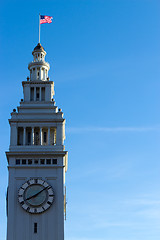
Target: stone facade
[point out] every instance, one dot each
(36, 153)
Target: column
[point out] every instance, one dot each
(34, 93)
(24, 136)
(40, 73)
(54, 136)
(35, 73)
(49, 136)
(14, 134)
(40, 98)
(43, 73)
(26, 92)
(32, 136)
(59, 134)
(40, 136)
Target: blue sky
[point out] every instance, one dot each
(105, 62)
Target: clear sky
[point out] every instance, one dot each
(105, 62)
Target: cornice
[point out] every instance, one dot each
(35, 121)
(33, 64)
(37, 82)
(36, 153)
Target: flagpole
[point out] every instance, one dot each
(39, 28)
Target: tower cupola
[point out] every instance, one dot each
(38, 67)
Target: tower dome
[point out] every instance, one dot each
(38, 67)
(38, 47)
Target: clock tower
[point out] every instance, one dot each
(37, 160)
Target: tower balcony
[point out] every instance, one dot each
(38, 63)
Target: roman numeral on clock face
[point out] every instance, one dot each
(35, 210)
(28, 209)
(35, 180)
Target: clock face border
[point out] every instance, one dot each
(50, 196)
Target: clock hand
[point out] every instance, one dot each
(36, 193)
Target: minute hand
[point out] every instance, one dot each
(36, 194)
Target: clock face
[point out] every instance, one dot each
(36, 196)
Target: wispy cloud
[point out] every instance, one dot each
(144, 202)
(140, 213)
(147, 208)
(85, 238)
(107, 67)
(117, 171)
(111, 129)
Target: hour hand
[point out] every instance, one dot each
(36, 193)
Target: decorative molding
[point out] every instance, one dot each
(20, 178)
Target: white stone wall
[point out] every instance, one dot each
(39, 114)
(21, 223)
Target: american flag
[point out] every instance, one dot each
(45, 19)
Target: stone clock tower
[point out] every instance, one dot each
(37, 160)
